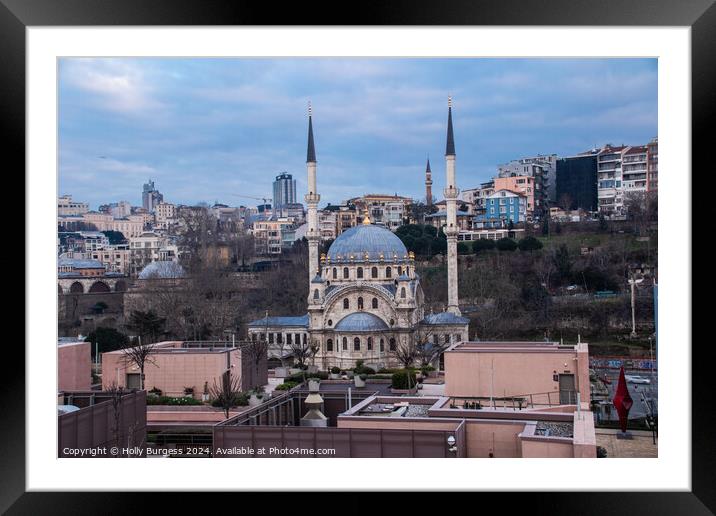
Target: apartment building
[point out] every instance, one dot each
(66, 206)
(652, 169)
(384, 210)
(268, 235)
(478, 196)
(502, 207)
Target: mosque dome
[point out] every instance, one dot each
(361, 321)
(377, 242)
(162, 270)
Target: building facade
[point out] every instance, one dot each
(284, 190)
(652, 169)
(577, 182)
(66, 206)
(502, 207)
(365, 298)
(150, 196)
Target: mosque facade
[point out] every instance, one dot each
(365, 299)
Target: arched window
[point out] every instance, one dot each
(374, 272)
(369, 344)
(356, 344)
(330, 322)
(335, 273)
(360, 303)
(360, 272)
(392, 344)
(392, 322)
(374, 303)
(345, 272)
(329, 345)
(345, 344)
(315, 294)
(382, 345)
(402, 292)
(407, 271)
(346, 304)
(400, 270)
(447, 339)
(388, 272)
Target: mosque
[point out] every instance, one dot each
(365, 300)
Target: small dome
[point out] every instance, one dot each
(367, 239)
(361, 321)
(162, 270)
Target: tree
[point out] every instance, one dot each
(566, 202)
(529, 243)
(405, 352)
(140, 354)
(563, 262)
(106, 339)
(545, 226)
(482, 245)
(226, 394)
(147, 325)
(506, 244)
(115, 237)
(427, 348)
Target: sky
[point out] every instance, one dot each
(221, 129)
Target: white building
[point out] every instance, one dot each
(66, 206)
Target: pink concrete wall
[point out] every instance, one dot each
(545, 449)
(469, 373)
(500, 439)
(186, 416)
(74, 367)
(585, 439)
(171, 372)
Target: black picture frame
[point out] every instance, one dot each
(700, 15)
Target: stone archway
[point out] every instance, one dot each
(77, 288)
(99, 287)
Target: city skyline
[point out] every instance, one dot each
(209, 130)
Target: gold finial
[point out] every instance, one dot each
(449, 100)
(366, 219)
(411, 254)
(323, 257)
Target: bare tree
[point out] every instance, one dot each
(116, 392)
(139, 354)
(302, 351)
(227, 392)
(256, 351)
(427, 348)
(405, 352)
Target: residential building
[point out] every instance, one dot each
(530, 187)
(385, 210)
(577, 182)
(502, 207)
(610, 192)
(150, 196)
(634, 170)
(652, 169)
(66, 206)
(294, 211)
(284, 191)
(478, 196)
(542, 167)
(268, 237)
(119, 209)
(328, 223)
(439, 219)
(115, 258)
(150, 247)
(165, 214)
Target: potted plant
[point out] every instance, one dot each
(189, 391)
(314, 384)
(295, 369)
(257, 397)
(205, 394)
(359, 380)
(335, 373)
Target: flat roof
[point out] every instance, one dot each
(513, 346)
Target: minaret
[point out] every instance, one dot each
(451, 229)
(312, 235)
(428, 185)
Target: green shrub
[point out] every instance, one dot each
(388, 370)
(286, 386)
(403, 379)
(529, 243)
(321, 375)
(484, 244)
(155, 392)
(335, 370)
(506, 244)
(240, 400)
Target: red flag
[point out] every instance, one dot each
(622, 400)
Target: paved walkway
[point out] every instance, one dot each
(641, 446)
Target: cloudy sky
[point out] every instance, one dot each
(209, 130)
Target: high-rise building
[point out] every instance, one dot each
(150, 196)
(576, 184)
(284, 191)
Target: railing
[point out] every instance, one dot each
(517, 402)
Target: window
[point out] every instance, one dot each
(360, 303)
(330, 322)
(374, 272)
(356, 344)
(335, 273)
(345, 344)
(374, 303)
(447, 339)
(346, 304)
(382, 345)
(345, 272)
(402, 292)
(315, 294)
(369, 344)
(388, 272)
(400, 271)
(329, 345)
(360, 272)
(392, 345)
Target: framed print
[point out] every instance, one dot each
(466, 264)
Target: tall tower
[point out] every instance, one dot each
(451, 228)
(312, 235)
(428, 185)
